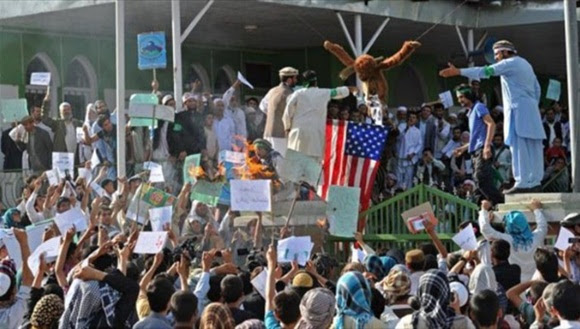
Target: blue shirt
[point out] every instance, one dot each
(270, 321)
(154, 321)
(477, 127)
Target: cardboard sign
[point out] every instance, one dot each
(251, 195)
(466, 239)
(342, 210)
(554, 90)
(152, 51)
(13, 110)
(446, 99)
(64, 163)
(190, 165)
(159, 217)
(49, 249)
(207, 192)
(73, 217)
(40, 79)
(298, 167)
(414, 217)
(150, 242)
(295, 249)
(244, 80)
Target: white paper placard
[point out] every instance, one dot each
(80, 134)
(12, 246)
(86, 174)
(35, 233)
(244, 80)
(259, 282)
(466, 239)
(563, 237)
(159, 217)
(150, 242)
(98, 189)
(296, 248)
(231, 156)
(358, 255)
(156, 172)
(64, 163)
(73, 217)
(49, 249)
(52, 177)
(40, 78)
(251, 195)
(95, 161)
(162, 112)
(447, 99)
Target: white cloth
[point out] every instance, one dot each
(552, 132)
(408, 142)
(70, 137)
(305, 118)
(211, 143)
(415, 277)
(566, 324)
(441, 138)
(279, 145)
(450, 147)
(522, 257)
(225, 130)
(13, 316)
(33, 215)
(161, 153)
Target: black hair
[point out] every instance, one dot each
(252, 99)
(500, 250)
(324, 264)
(310, 78)
(484, 308)
(378, 302)
(102, 118)
(246, 281)
(106, 181)
(427, 149)
(537, 289)
(287, 307)
(232, 288)
(466, 91)
(474, 224)
(214, 293)
(159, 293)
(566, 298)
(183, 305)
(547, 264)
(430, 262)
(416, 266)
(62, 200)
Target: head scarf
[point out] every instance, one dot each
(251, 324)
(374, 265)
(8, 220)
(401, 268)
(353, 298)
(316, 309)
(193, 216)
(516, 225)
(388, 263)
(47, 311)
(396, 284)
(483, 277)
(217, 316)
(434, 296)
(262, 143)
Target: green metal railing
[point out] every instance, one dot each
(386, 229)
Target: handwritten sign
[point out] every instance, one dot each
(13, 110)
(40, 78)
(156, 172)
(295, 249)
(190, 165)
(251, 195)
(159, 217)
(244, 80)
(51, 176)
(73, 217)
(342, 210)
(50, 251)
(150, 242)
(446, 99)
(259, 282)
(232, 157)
(554, 90)
(298, 167)
(207, 192)
(466, 239)
(562, 243)
(152, 51)
(64, 163)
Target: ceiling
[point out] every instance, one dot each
(288, 26)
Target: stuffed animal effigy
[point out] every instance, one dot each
(369, 71)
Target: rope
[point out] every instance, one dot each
(442, 19)
(309, 26)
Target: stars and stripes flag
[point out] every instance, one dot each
(352, 156)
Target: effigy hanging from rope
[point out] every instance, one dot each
(369, 70)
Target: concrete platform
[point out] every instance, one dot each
(556, 205)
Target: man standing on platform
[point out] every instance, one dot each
(523, 128)
(274, 104)
(482, 128)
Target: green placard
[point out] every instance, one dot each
(189, 167)
(13, 110)
(143, 122)
(207, 192)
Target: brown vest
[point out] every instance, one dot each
(276, 107)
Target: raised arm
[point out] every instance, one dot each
(400, 56)
(484, 223)
(22, 239)
(61, 259)
(270, 282)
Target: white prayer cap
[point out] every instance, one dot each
(391, 115)
(5, 282)
(470, 182)
(186, 97)
(250, 110)
(402, 109)
(288, 71)
(461, 291)
(499, 108)
(453, 115)
(63, 104)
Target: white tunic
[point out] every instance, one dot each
(409, 142)
(305, 118)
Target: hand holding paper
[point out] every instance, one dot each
(466, 239)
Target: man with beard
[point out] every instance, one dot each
(482, 127)
(274, 104)
(188, 133)
(443, 129)
(502, 158)
(64, 129)
(255, 119)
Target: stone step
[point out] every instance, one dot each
(556, 205)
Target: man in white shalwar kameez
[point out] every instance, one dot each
(233, 110)
(523, 128)
(305, 116)
(223, 126)
(409, 146)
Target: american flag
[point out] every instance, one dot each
(352, 155)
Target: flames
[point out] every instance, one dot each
(212, 175)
